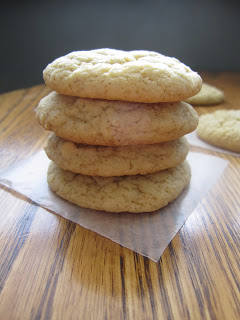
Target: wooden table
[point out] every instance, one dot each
(51, 268)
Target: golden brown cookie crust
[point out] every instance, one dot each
(140, 193)
(138, 76)
(115, 123)
(115, 161)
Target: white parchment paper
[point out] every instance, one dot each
(145, 233)
(194, 140)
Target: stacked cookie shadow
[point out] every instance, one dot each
(118, 128)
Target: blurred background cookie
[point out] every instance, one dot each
(221, 128)
(208, 95)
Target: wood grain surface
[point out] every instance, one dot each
(51, 268)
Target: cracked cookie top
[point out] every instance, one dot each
(138, 76)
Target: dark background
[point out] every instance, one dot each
(203, 34)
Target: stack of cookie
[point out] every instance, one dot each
(118, 128)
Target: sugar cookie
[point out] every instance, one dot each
(115, 161)
(139, 193)
(115, 123)
(138, 76)
(221, 128)
(208, 95)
